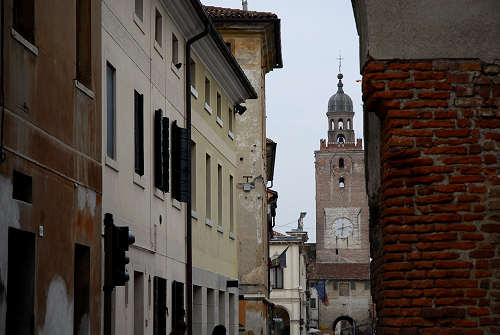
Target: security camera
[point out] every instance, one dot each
(240, 109)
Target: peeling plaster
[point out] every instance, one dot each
(59, 310)
(86, 198)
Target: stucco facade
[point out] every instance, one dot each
(50, 169)
(253, 43)
(291, 297)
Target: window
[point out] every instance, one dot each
(344, 289)
(353, 285)
(21, 282)
(24, 18)
(219, 106)
(348, 124)
(158, 29)
(219, 194)
(341, 163)
(83, 43)
(276, 277)
(332, 124)
(81, 290)
(341, 124)
(175, 50)
(230, 119)
(110, 111)
(313, 303)
(138, 303)
(211, 308)
(231, 204)
(193, 176)
(193, 73)
(22, 187)
(158, 149)
(341, 182)
(138, 9)
(208, 186)
(207, 91)
(139, 133)
(367, 285)
(340, 138)
(160, 306)
(232, 314)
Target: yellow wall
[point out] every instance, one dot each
(213, 250)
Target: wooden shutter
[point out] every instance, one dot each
(139, 133)
(177, 302)
(180, 155)
(158, 164)
(156, 299)
(160, 306)
(165, 154)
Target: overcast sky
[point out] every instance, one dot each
(313, 32)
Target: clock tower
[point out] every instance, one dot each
(342, 257)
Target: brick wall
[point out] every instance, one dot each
(435, 219)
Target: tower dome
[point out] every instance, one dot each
(340, 102)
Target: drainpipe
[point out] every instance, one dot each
(189, 242)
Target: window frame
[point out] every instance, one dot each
(277, 282)
(111, 114)
(158, 27)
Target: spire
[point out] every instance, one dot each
(244, 4)
(340, 85)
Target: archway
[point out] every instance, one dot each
(344, 325)
(281, 321)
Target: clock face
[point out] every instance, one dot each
(342, 227)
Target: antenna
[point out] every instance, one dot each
(340, 61)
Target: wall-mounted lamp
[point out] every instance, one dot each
(240, 109)
(178, 66)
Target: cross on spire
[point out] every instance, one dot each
(340, 62)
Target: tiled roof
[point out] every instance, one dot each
(230, 13)
(339, 271)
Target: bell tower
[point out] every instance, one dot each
(340, 115)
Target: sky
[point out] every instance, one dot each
(313, 34)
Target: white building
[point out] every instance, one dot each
(288, 284)
(143, 61)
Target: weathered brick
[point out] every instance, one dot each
(425, 103)
(429, 75)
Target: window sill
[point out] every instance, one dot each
(194, 92)
(194, 215)
(220, 229)
(208, 108)
(209, 223)
(177, 72)
(230, 134)
(159, 49)
(84, 89)
(139, 23)
(176, 204)
(111, 163)
(220, 122)
(232, 236)
(159, 194)
(27, 44)
(139, 181)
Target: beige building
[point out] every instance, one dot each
(288, 284)
(144, 66)
(254, 39)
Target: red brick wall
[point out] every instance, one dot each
(436, 231)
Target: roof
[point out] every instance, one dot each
(221, 13)
(230, 15)
(340, 102)
(360, 271)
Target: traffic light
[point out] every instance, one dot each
(116, 243)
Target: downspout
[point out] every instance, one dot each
(2, 88)
(189, 242)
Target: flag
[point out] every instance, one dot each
(280, 260)
(322, 294)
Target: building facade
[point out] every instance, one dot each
(342, 252)
(431, 109)
(50, 168)
(144, 84)
(288, 284)
(254, 39)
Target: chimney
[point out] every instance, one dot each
(244, 3)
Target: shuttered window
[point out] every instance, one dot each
(139, 133)
(160, 306)
(165, 154)
(158, 140)
(180, 156)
